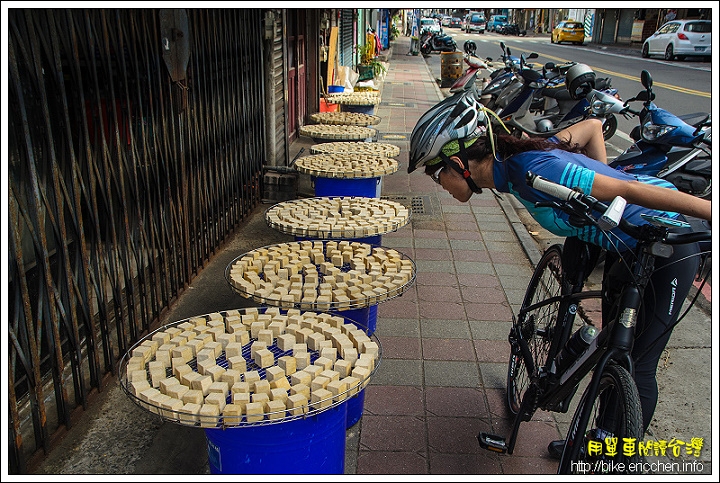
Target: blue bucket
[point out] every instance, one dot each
(311, 445)
(367, 187)
(372, 319)
(369, 109)
(335, 89)
(360, 317)
(355, 406)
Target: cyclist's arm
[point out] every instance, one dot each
(605, 188)
(589, 135)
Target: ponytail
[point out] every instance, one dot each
(507, 145)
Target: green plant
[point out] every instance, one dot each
(394, 32)
(367, 58)
(377, 67)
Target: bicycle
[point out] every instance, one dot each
(548, 363)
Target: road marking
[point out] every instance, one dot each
(616, 74)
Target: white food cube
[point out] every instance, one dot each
(275, 409)
(274, 372)
(264, 358)
(216, 398)
(208, 415)
(320, 399)
(238, 363)
(254, 411)
(232, 413)
(193, 396)
(297, 404)
(189, 412)
(288, 364)
(202, 384)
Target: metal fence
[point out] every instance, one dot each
(128, 165)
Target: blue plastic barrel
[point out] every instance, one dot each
(355, 407)
(372, 319)
(311, 445)
(356, 404)
(367, 187)
(359, 317)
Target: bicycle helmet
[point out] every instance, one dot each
(580, 80)
(459, 116)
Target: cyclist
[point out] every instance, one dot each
(452, 142)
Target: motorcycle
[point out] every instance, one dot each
(674, 148)
(469, 78)
(504, 76)
(513, 104)
(554, 108)
(511, 29)
(438, 43)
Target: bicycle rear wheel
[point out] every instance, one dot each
(615, 412)
(535, 327)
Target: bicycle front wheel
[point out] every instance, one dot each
(615, 413)
(535, 327)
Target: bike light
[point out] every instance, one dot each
(611, 218)
(651, 132)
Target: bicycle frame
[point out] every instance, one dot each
(608, 353)
(554, 392)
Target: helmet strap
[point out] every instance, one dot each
(464, 172)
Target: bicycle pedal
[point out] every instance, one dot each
(492, 442)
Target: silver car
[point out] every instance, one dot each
(678, 39)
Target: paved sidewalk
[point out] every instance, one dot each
(442, 376)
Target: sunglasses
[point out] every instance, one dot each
(436, 175)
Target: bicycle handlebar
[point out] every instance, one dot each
(575, 202)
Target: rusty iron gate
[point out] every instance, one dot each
(135, 148)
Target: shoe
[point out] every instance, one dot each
(555, 448)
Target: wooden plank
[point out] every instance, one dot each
(332, 54)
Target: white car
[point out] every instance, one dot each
(430, 24)
(678, 39)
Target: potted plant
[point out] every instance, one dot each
(369, 66)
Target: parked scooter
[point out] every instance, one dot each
(511, 29)
(475, 64)
(555, 107)
(504, 76)
(438, 43)
(675, 148)
(513, 104)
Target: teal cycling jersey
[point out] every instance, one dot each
(574, 171)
